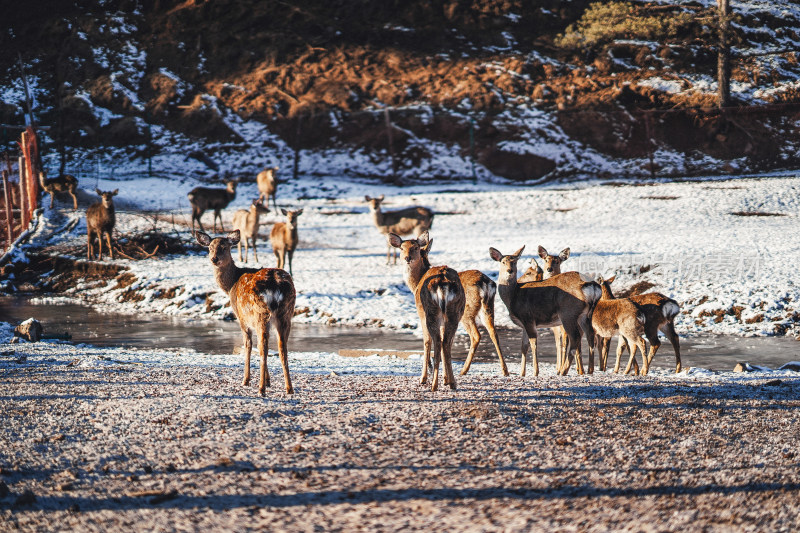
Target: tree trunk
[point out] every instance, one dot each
(724, 55)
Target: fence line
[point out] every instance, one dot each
(19, 208)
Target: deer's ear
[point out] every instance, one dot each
(283, 211)
(423, 238)
(233, 237)
(367, 198)
(381, 197)
(116, 191)
(542, 252)
(518, 253)
(612, 278)
(427, 248)
(564, 255)
(202, 238)
(394, 240)
(298, 212)
(99, 192)
(495, 254)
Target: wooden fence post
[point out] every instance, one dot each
(23, 197)
(9, 210)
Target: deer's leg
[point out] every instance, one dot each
(284, 328)
(620, 350)
(585, 324)
(110, 248)
(604, 347)
(239, 246)
(247, 341)
(255, 255)
(557, 340)
(263, 345)
(388, 252)
(488, 320)
(632, 360)
(437, 356)
(652, 337)
(669, 331)
(426, 356)
(639, 341)
(100, 243)
(52, 199)
(291, 254)
(274, 202)
(74, 200)
(574, 345)
(447, 346)
(89, 245)
(474, 339)
(533, 338)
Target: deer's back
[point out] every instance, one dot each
(542, 300)
(210, 198)
(408, 220)
(61, 183)
(261, 294)
(441, 283)
(241, 222)
(266, 182)
(652, 305)
(611, 315)
(478, 287)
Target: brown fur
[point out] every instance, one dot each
(284, 238)
(401, 222)
(565, 300)
(100, 221)
(652, 305)
(247, 222)
(617, 316)
(66, 183)
(247, 289)
(267, 186)
(203, 198)
(479, 293)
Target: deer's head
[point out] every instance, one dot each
(508, 264)
(219, 249)
(374, 203)
(605, 286)
(412, 251)
(552, 263)
(291, 217)
(107, 197)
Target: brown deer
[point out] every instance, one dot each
(65, 183)
(552, 263)
(565, 299)
(479, 292)
(411, 220)
(247, 222)
(259, 297)
(617, 316)
(267, 186)
(284, 239)
(659, 313)
(100, 221)
(203, 198)
(534, 273)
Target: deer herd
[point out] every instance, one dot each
(573, 305)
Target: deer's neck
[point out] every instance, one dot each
(377, 217)
(606, 292)
(413, 274)
(507, 288)
(227, 276)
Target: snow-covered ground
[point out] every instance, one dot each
(731, 274)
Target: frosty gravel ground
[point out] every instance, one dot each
(110, 439)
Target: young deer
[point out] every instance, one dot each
(259, 297)
(622, 316)
(267, 186)
(411, 220)
(100, 220)
(203, 198)
(565, 299)
(659, 312)
(552, 263)
(479, 292)
(246, 221)
(284, 239)
(66, 183)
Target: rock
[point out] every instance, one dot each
(30, 330)
(794, 366)
(747, 367)
(26, 498)
(3, 489)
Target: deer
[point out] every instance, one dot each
(64, 183)
(407, 221)
(259, 298)
(203, 198)
(267, 186)
(100, 221)
(284, 239)
(659, 312)
(565, 299)
(247, 222)
(533, 273)
(617, 316)
(479, 292)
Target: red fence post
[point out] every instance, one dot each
(9, 210)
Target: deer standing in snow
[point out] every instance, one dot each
(267, 186)
(479, 292)
(259, 297)
(617, 316)
(565, 299)
(100, 221)
(284, 239)
(66, 183)
(204, 198)
(659, 312)
(247, 222)
(533, 273)
(411, 220)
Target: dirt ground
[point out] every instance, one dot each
(160, 448)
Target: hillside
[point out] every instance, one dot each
(405, 91)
